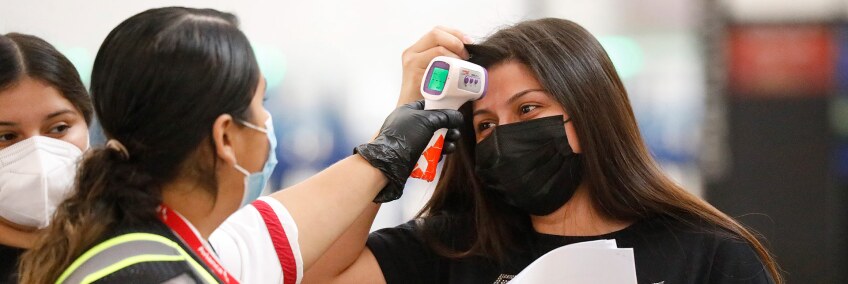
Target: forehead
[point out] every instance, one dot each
(29, 97)
(505, 80)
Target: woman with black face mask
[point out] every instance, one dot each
(558, 159)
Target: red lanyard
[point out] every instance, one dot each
(180, 227)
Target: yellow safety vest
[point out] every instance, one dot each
(125, 250)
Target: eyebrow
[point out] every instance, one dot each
(511, 100)
(49, 116)
(58, 113)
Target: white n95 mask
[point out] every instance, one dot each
(36, 175)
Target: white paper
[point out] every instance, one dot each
(599, 262)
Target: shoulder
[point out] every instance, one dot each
(406, 234)
(411, 252)
(259, 242)
(736, 261)
(448, 230)
(684, 229)
(715, 252)
(691, 233)
(421, 236)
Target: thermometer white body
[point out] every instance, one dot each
(448, 83)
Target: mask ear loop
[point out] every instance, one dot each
(254, 127)
(240, 169)
(569, 146)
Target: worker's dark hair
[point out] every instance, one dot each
(160, 80)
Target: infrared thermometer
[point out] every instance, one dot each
(448, 83)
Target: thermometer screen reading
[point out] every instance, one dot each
(437, 81)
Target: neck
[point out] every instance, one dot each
(195, 204)
(577, 217)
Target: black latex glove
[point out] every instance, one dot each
(450, 141)
(402, 139)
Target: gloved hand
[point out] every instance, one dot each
(403, 136)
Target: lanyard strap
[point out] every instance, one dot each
(180, 227)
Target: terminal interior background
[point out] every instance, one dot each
(744, 102)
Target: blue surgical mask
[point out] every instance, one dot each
(254, 183)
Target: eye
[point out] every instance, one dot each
(8, 136)
(59, 129)
(485, 125)
(524, 109)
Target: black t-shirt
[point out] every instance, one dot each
(665, 251)
(9, 257)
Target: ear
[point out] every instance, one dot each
(222, 131)
(573, 140)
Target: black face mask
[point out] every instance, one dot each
(530, 164)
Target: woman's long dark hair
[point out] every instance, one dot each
(160, 80)
(25, 55)
(625, 182)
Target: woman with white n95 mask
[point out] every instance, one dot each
(44, 116)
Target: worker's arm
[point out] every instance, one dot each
(349, 260)
(325, 205)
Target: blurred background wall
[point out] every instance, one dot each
(744, 102)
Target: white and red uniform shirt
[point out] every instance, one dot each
(258, 244)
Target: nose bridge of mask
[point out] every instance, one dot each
(39, 154)
(523, 137)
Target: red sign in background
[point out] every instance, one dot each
(781, 60)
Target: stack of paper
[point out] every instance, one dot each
(600, 262)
